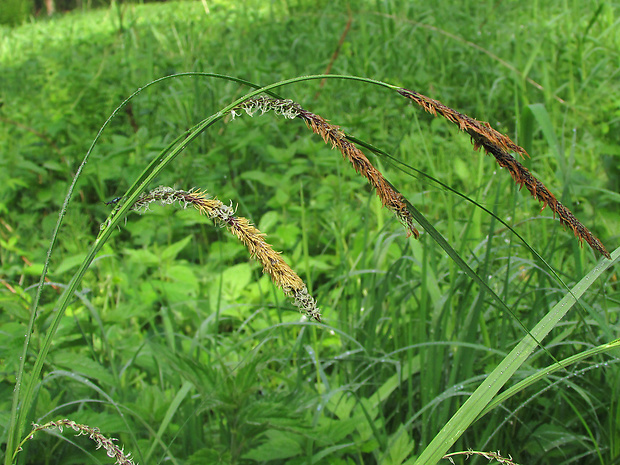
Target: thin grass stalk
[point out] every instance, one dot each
(280, 272)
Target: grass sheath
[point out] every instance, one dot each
(498, 145)
(332, 135)
(224, 215)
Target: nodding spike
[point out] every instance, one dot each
(281, 273)
(499, 145)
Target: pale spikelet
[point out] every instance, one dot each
(490, 456)
(332, 135)
(286, 108)
(499, 145)
(112, 450)
(279, 271)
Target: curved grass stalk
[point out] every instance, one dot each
(17, 419)
(483, 395)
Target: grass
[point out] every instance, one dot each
(180, 347)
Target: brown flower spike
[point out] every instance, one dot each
(481, 133)
(332, 135)
(281, 274)
(498, 145)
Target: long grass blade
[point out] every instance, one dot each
(481, 397)
(541, 374)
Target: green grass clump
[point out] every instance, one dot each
(494, 331)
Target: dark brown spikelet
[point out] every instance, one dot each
(332, 134)
(479, 131)
(499, 145)
(389, 196)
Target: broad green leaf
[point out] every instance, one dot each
(82, 364)
(278, 446)
(171, 252)
(399, 448)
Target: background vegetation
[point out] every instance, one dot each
(177, 344)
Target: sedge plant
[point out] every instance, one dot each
(264, 99)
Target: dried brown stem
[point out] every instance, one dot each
(40, 135)
(472, 45)
(499, 145)
(335, 54)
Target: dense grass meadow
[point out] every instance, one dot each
(159, 329)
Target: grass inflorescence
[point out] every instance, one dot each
(103, 442)
(332, 135)
(224, 215)
(499, 145)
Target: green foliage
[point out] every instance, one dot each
(14, 12)
(177, 345)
